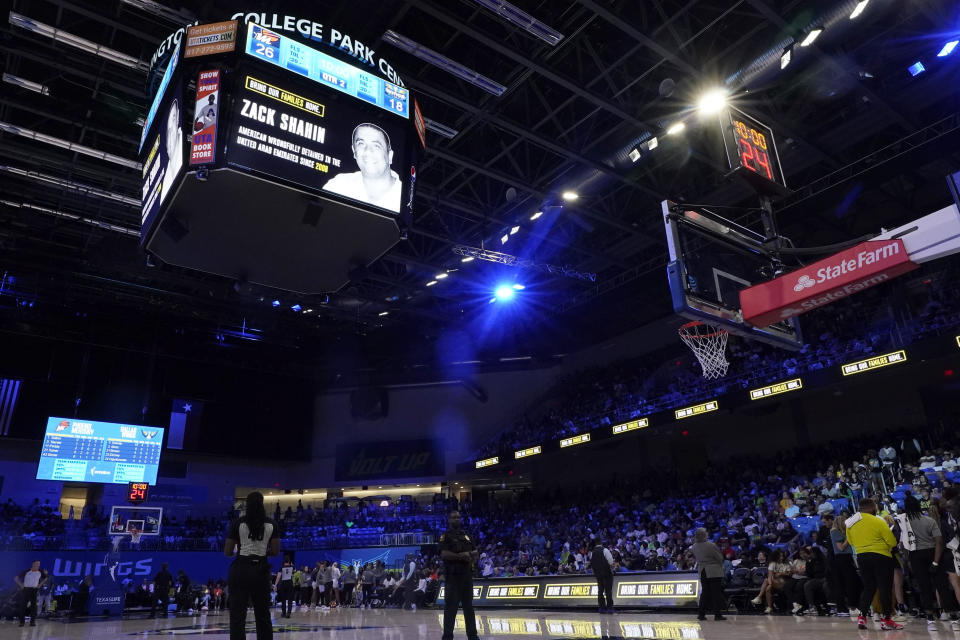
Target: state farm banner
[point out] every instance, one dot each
(388, 460)
(825, 281)
(203, 149)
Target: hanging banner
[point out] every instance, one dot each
(208, 39)
(203, 150)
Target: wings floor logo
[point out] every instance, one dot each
(805, 282)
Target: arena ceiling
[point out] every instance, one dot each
(862, 142)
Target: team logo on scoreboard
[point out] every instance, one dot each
(149, 435)
(265, 36)
(64, 425)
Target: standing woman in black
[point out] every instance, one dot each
(253, 537)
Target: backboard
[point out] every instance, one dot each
(711, 260)
(147, 520)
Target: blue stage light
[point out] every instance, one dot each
(296, 308)
(504, 292)
(276, 303)
(916, 69)
(948, 48)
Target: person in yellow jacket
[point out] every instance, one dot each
(873, 540)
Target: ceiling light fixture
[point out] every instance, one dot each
(36, 87)
(570, 196)
(440, 129)
(440, 276)
(536, 215)
(69, 146)
(634, 155)
(383, 313)
(442, 62)
(504, 238)
(431, 283)
(948, 48)
(711, 102)
(811, 36)
(652, 144)
(83, 44)
(467, 259)
(523, 20)
(514, 230)
(857, 10)
(676, 128)
(786, 57)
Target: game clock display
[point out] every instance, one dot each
(751, 151)
(138, 492)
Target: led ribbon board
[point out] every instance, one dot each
(575, 440)
(776, 389)
(291, 55)
(874, 363)
(480, 464)
(696, 410)
(566, 591)
(521, 591)
(526, 453)
(633, 425)
(659, 589)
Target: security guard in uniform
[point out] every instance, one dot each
(459, 554)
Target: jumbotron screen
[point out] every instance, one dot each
(320, 123)
(106, 452)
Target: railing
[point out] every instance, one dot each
(406, 539)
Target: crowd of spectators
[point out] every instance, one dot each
(876, 321)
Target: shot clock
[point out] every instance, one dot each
(751, 151)
(138, 492)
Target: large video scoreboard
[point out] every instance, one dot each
(106, 452)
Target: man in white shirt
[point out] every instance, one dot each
(29, 582)
(375, 183)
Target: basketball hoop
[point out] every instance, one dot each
(135, 536)
(709, 344)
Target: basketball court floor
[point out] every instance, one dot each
(392, 624)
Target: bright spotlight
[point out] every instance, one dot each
(712, 101)
(916, 69)
(536, 215)
(652, 144)
(634, 155)
(857, 10)
(786, 57)
(948, 48)
(676, 128)
(383, 313)
(570, 196)
(296, 307)
(519, 287)
(514, 230)
(440, 276)
(275, 303)
(466, 259)
(431, 283)
(504, 292)
(811, 36)
(504, 238)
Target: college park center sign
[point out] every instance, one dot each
(825, 281)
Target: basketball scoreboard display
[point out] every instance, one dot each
(287, 53)
(105, 452)
(662, 589)
(876, 362)
(776, 389)
(633, 425)
(751, 151)
(696, 410)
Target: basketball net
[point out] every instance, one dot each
(134, 538)
(709, 344)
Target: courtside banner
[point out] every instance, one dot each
(203, 149)
(850, 271)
